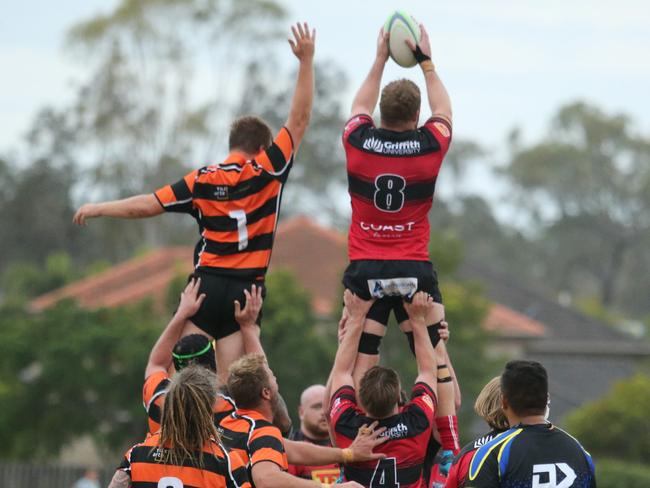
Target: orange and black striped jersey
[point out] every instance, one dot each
(220, 468)
(153, 394)
(254, 438)
(236, 204)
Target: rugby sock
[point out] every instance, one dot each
(448, 429)
(434, 335)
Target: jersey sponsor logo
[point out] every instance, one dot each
(427, 399)
(327, 476)
(545, 475)
(335, 406)
(442, 128)
(407, 227)
(221, 192)
(481, 441)
(393, 287)
(401, 148)
(396, 432)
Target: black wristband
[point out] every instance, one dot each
(420, 57)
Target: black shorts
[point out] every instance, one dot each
(217, 313)
(390, 282)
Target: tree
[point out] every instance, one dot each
(70, 372)
(586, 189)
(617, 426)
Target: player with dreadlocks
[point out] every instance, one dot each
(187, 450)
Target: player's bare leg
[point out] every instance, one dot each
(227, 349)
(367, 361)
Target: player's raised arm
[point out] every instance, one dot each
(302, 45)
(346, 355)
(137, 207)
(160, 357)
(366, 98)
(247, 319)
(425, 354)
(436, 92)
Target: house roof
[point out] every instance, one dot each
(317, 256)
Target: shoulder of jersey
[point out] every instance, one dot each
(501, 441)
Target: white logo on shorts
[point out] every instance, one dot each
(393, 287)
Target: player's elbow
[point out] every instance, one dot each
(270, 479)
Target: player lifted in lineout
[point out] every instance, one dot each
(392, 171)
(236, 205)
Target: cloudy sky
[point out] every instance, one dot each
(505, 63)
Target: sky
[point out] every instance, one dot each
(505, 63)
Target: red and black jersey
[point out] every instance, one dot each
(236, 205)
(391, 181)
(460, 467)
(153, 395)
(220, 469)
(409, 432)
(327, 474)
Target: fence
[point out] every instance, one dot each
(29, 475)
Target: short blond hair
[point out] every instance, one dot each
(488, 405)
(246, 380)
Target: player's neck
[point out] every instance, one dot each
(528, 420)
(312, 435)
(265, 408)
(403, 127)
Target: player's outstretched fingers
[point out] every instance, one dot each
(237, 308)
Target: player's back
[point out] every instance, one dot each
(391, 180)
(218, 468)
(530, 456)
(408, 435)
(236, 205)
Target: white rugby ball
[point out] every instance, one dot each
(402, 26)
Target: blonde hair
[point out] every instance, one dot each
(246, 379)
(187, 423)
(488, 405)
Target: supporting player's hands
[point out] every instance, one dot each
(366, 440)
(356, 307)
(342, 322)
(382, 46)
(421, 50)
(86, 211)
(190, 299)
(419, 308)
(247, 317)
(443, 330)
(303, 42)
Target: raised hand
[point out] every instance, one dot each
(303, 42)
(443, 330)
(356, 307)
(190, 299)
(421, 51)
(248, 315)
(382, 45)
(419, 307)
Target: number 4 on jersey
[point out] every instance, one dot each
(385, 475)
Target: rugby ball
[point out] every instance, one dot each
(400, 27)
